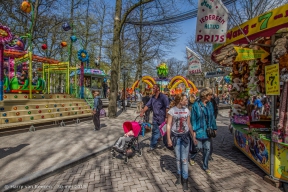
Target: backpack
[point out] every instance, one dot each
(100, 104)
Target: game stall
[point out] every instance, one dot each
(93, 79)
(260, 63)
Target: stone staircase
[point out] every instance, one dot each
(17, 110)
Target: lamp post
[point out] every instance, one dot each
(124, 72)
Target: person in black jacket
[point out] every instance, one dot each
(145, 100)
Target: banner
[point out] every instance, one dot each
(245, 54)
(272, 79)
(194, 64)
(212, 21)
(265, 25)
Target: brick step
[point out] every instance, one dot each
(16, 96)
(42, 110)
(42, 106)
(8, 126)
(38, 101)
(35, 117)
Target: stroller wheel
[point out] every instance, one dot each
(140, 153)
(126, 159)
(113, 154)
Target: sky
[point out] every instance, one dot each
(188, 28)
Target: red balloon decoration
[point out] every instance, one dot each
(44, 46)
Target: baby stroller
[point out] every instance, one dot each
(132, 146)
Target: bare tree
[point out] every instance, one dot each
(118, 24)
(176, 67)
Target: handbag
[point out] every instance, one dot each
(211, 132)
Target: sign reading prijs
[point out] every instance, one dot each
(245, 54)
(272, 79)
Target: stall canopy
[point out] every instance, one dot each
(21, 54)
(264, 25)
(91, 72)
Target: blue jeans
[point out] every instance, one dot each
(205, 145)
(181, 153)
(155, 135)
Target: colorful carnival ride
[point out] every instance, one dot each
(16, 78)
(171, 84)
(166, 84)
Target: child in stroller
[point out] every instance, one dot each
(128, 144)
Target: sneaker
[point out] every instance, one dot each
(192, 162)
(208, 171)
(150, 150)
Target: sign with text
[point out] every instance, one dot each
(216, 74)
(245, 54)
(272, 79)
(212, 21)
(194, 64)
(267, 23)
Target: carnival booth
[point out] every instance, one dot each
(260, 61)
(93, 79)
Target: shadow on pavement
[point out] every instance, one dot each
(4, 152)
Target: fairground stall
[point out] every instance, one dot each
(260, 60)
(93, 79)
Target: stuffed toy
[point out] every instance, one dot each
(284, 75)
(237, 84)
(280, 48)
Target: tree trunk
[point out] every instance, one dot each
(72, 27)
(112, 108)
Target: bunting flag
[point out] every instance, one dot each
(212, 21)
(194, 64)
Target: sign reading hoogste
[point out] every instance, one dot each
(194, 65)
(212, 21)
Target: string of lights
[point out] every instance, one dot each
(173, 19)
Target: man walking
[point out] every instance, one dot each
(160, 105)
(96, 110)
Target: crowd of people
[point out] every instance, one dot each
(188, 118)
(189, 123)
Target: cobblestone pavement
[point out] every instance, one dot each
(231, 171)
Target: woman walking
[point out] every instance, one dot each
(203, 118)
(178, 128)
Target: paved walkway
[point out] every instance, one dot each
(231, 171)
(27, 155)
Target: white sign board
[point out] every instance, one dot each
(212, 21)
(194, 65)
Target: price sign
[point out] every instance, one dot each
(272, 79)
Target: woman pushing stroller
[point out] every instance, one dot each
(178, 128)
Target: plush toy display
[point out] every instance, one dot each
(280, 48)
(237, 84)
